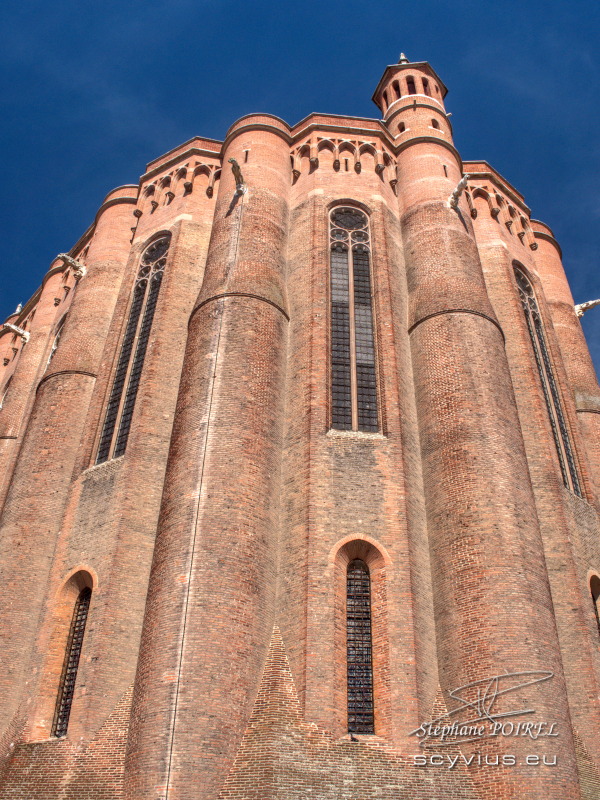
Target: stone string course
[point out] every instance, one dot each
(213, 665)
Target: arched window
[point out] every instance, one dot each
(435, 124)
(56, 341)
(549, 385)
(359, 648)
(5, 391)
(129, 367)
(353, 371)
(595, 592)
(426, 86)
(397, 92)
(410, 85)
(71, 663)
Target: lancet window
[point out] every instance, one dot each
(121, 402)
(5, 391)
(353, 368)
(595, 592)
(545, 369)
(359, 648)
(71, 664)
(56, 341)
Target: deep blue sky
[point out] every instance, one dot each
(93, 91)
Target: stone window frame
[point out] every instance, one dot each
(68, 678)
(377, 560)
(360, 404)
(565, 450)
(126, 379)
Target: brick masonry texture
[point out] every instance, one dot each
(214, 663)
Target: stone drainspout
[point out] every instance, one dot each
(299, 477)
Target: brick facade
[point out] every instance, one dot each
(214, 662)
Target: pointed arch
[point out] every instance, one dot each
(56, 340)
(68, 678)
(126, 380)
(149, 198)
(363, 702)
(62, 642)
(326, 153)
(353, 367)
(549, 384)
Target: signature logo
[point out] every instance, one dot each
(488, 715)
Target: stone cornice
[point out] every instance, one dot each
(153, 166)
(114, 202)
(251, 295)
(320, 115)
(548, 238)
(417, 104)
(436, 139)
(190, 153)
(501, 183)
(381, 133)
(425, 66)
(256, 126)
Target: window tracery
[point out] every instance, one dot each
(121, 402)
(353, 369)
(545, 369)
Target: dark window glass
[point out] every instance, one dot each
(359, 648)
(353, 369)
(595, 591)
(72, 656)
(138, 363)
(341, 399)
(545, 369)
(121, 405)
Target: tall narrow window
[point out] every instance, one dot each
(121, 401)
(595, 592)
(556, 415)
(56, 341)
(72, 655)
(359, 648)
(5, 391)
(353, 370)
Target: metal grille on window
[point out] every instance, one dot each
(359, 648)
(129, 370)
(556, 415)
(353, 370)
(72, 655)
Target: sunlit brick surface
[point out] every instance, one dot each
(298, 411)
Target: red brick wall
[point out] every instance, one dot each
(217, 545)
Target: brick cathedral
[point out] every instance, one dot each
(300, 481)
